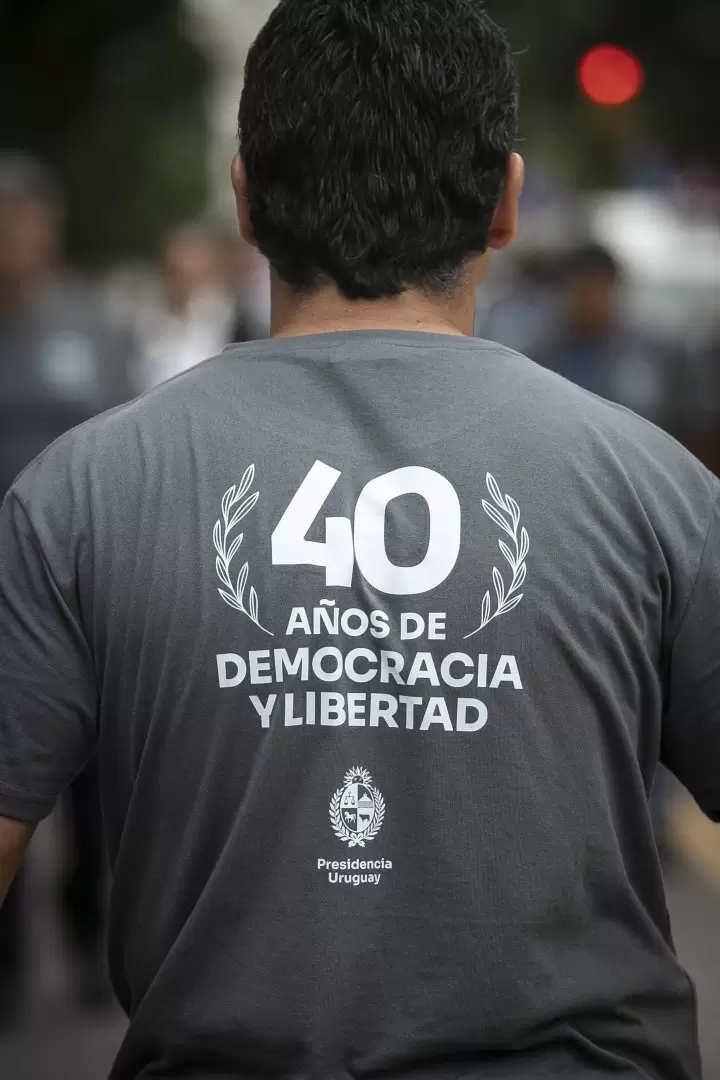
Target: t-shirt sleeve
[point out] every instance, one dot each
(691, 729)
(48, 691)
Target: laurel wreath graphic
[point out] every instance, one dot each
(509, 599)
(361, 776)
(234, 594)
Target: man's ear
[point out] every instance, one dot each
(505, 222)
(239, 183)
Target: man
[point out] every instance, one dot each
(594, 345)
(61, 359)
(61, 362)
(247, 279)
(196, 312)
(381, 630)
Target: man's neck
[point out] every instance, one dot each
(327, 312)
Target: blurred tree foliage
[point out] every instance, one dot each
(112, 95)
(678, 42)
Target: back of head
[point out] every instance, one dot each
(375, 136)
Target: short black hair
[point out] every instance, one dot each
(375, 136)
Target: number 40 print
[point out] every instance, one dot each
(363, 541)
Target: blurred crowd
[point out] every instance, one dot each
(70, 348)
(573, 313)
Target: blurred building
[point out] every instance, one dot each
(225, 29)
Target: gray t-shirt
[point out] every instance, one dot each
(380, 638)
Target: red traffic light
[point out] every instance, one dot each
(610, 75)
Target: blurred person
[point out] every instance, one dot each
(62, 359)
(194, 318)
(368, 814)
(61, 362)
(522, 315)
(594, 346)
(247, 278)
(591, 343)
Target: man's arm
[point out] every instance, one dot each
(691, 726)
(48, 689)
(14, 839)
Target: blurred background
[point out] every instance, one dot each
(120, 266)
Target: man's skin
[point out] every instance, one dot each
(327, 311)
(14, 839)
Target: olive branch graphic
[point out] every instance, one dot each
(234, 594)
(505, 512)
(339, 827)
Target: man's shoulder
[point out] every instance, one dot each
(555, 391)
(569, 421)
(114, 439)
(598, 432)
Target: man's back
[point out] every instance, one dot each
(387, 631)
(380, 634)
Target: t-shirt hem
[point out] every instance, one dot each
(22, 806)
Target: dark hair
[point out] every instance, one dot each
(592, 260)
(24, 177)
(375, 136)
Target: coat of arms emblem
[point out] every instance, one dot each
(357, 809)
